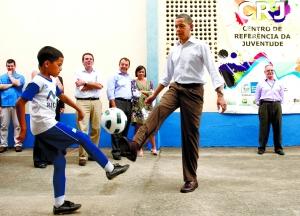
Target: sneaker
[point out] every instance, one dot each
(118, 169)
(132, 149)
(66, 208)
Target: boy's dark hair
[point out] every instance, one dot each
(87, 54)
(126, 59)
(140, 67)
(48, 53)
(11, 61)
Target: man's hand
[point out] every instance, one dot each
(221, 104)
(150, 99)
(79, 82)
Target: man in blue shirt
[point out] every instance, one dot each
(11, 85)
(119, 94)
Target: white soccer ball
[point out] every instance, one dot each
(113, 120)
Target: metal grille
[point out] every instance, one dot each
(204, 14)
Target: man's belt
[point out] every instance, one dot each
(89, 98)
(123, 99)
(189, 85)
(266, 101)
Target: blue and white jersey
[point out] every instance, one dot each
(42, 94)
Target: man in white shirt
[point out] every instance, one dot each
(87, 94)
(185, 65)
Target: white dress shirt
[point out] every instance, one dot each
(186, 64)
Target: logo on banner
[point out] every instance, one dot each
(262, 10)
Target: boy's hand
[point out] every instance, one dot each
(21, 136)
(80, 115)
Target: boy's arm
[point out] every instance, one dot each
(64, 98)
(20, 107)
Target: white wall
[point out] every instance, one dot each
(210, 96)
(108, 29)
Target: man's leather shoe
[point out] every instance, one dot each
(132, 149)
(118, 169)
(41, 165)
(189, 186)
(66, 208)
(260, 151)
(279, 151)
(3, 149)
(82, 162)
(18, 148)
(116, 157)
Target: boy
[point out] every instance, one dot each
(55, 136)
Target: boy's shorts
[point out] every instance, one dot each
(57, 139)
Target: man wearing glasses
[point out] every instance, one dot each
(269, 96)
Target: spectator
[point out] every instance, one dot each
(119, 94)
(60, 106)
(11, 85)
(141, 110)
(87, 94)
(269, 96)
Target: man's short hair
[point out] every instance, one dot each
(87, 53)
(186, 17)
(11, 61)
(126, 59)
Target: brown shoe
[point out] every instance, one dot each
(18, 148)
(82, 162)
(189, 186)
(3, 149)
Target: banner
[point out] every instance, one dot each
(252, 34)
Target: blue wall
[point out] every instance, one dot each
(216, 131)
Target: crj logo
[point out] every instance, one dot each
(262, 10)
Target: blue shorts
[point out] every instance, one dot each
(58, 138)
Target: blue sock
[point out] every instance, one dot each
(59, 178)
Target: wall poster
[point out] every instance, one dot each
(252, 34)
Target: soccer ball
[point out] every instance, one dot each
(113, 120)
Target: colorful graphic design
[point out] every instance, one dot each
(271, 9)
(254, 34)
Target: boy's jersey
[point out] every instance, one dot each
(42, 93)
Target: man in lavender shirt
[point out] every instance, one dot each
(269, 96)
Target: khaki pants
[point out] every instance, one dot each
(90, 123)
(189, 98)
(8, 114)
